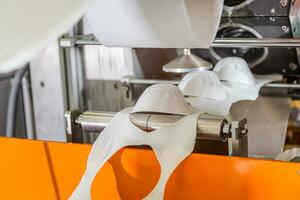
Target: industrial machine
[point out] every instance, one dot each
(264, 33)
(72, 90)
(261, 32)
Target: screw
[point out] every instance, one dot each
(273, 11)
(284, 3)
(244, 131)
(285, 28)
(293, 66)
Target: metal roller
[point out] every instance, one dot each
(209, 127)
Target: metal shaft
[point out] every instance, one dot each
(218, 42)
(129, 80)
(209, 127)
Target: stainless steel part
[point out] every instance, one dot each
(267, 120)
(48, 94)
(129, 80)
(218, 42)
(209, 127)
(238, 26)
(187, 62)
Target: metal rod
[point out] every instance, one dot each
(128, 80)
(208, 127)
(218, 42)
(255, 42)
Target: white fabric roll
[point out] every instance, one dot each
(171, 145)
(155, 23)
(29, 25)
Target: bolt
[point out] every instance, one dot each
(273, 11)
(243, 131)
(285, 28)
(284, 3)
(293, 66)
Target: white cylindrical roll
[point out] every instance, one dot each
(155, 23)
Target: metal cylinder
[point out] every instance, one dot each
(218, 42)
(130, 80)
(94, 121)
(208, 127)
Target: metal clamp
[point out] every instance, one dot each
(208, 127)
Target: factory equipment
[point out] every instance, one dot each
(69, 92)
(258, 31)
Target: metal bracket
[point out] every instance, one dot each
(218, 42)
(238, 142)
(69, 42)
(74, 132)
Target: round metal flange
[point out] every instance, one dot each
(187, 62)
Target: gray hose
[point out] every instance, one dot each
(13, 100)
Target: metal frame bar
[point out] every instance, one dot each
(218, 43)
(129, 80)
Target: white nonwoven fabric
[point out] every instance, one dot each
(171, 144)
(204, 91)
(235, 91)
(289, 155)
(171, 101)
(238, 81)
(155, 23)
(203, 84)
(29, 25)
(234, 69)
(214, 92)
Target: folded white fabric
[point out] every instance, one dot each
(29, 25)
(237, 79)
(289, 155)
(214, 92)
(203, 84)
(171, 144)
(205, 93)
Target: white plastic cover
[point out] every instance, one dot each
(155, 23)
(29, 25)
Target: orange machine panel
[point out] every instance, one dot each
(25, 171)
(132, 173)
